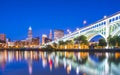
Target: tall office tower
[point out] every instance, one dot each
(58, 34)
(50, 35)
(2, 37)
(30, 32)
(30, 35)
(44, 36)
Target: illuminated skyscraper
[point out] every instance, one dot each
(58, 34)
(30, 35)
(50, 35)
(30, 32)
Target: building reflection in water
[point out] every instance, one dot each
(44, 62)
(50, 62)
(30, 67)
(88, 63)
(56, 64)
(77, 70)
(69, 68)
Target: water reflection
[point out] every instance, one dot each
(83, 63)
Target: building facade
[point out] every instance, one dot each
(35, 41)
(2, 38)
(29, 35)
(50, 35)
(44, 36)
(58, 34)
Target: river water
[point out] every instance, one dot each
(59, 63)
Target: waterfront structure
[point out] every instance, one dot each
(21, 43)
(35, 41)
(2, 38)
(107, 26)
(47, 40)
(58, 34)
(10, 44)
(25, 43)
(44, 36)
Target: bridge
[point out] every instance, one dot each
(91, 67)
(104, 27)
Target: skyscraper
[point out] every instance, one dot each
(30, 32)
(30, 35)
(58, 34)
(50, 35)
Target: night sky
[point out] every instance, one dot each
(42, 15)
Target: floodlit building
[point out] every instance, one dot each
(29, 34)
(50, 35)
(58, 34)
(2, 38)
(35, 41)
(44, 36)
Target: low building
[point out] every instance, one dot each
(35, 41)
(44, 36)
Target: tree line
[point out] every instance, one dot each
(112, 42)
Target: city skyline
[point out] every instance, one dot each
(17, 16)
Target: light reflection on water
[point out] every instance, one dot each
(73, 63)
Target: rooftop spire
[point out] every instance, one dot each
(30, 28)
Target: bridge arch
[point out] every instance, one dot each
(94, 33)
(99, 34)
(116, 30)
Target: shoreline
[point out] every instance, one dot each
(62, 50)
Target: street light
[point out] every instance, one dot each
(77, 28)
(84, 22)
(68, 31)
(105, 16)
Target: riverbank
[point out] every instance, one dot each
(62, 50)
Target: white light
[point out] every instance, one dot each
(84, 22)
(77, 70)
(68, 30)
(30, 28)
(105, 16)
(77, 28)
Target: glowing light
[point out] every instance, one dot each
(44, 62)
(68, 30)
(69, 69)
(105, 16)
(30, 67)
(30, 28)
(77, 70)
(77, 28)
(84, 22)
